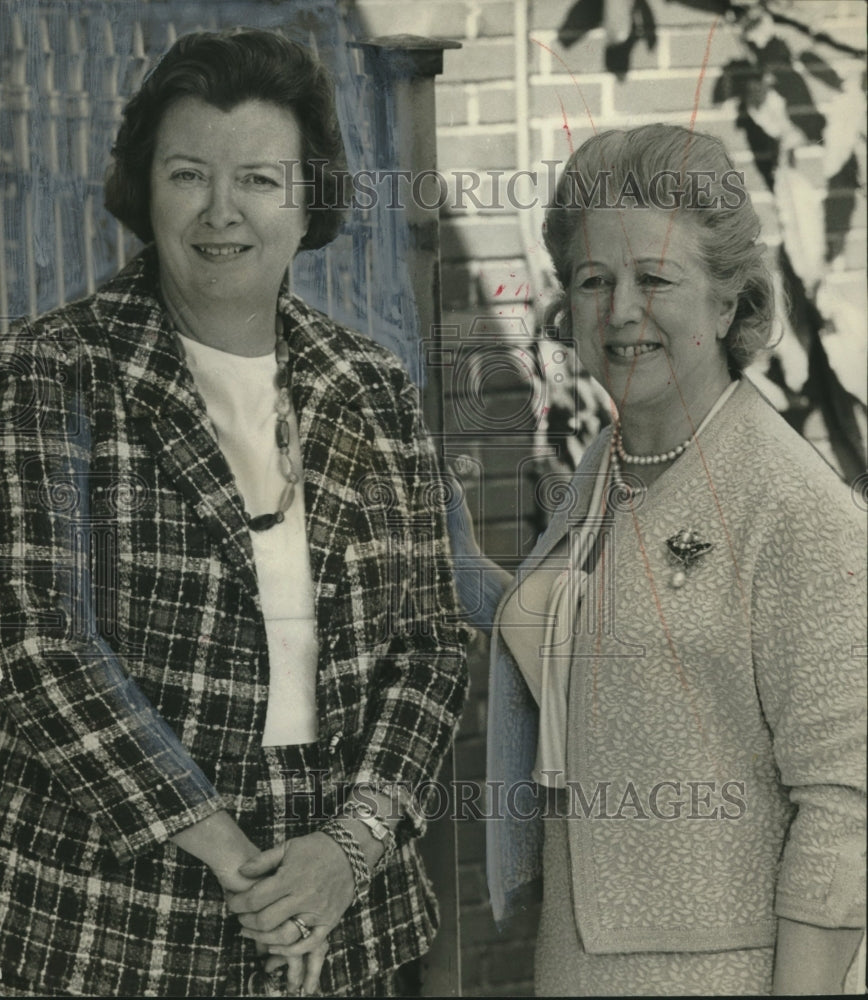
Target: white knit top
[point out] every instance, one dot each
(240, 395)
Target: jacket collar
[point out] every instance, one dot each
(337, 434)
(163, 404)
(162, 400)
(151, 367)
(570, 515)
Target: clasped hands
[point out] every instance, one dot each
(308, 878)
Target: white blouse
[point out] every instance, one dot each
(240, 395)
(538, 622)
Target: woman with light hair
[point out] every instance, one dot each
(675, 664)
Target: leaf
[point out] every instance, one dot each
(775, 58)
(764, 147)
(735, 79)
(618, 57)
(719, 7)
(839, 206)
(845, 127)
(821, 70)
(844, 340)
(823, 387)
(642, 25)
(581, 18)
(800, 212)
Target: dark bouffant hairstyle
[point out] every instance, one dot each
(225, 69)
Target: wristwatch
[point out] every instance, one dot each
(378, 828)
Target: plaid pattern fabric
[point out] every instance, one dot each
(134, 672)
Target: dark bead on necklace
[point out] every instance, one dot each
(282, 433)
(264, 522)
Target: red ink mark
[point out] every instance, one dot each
(499, 291)
(702, 70)
(566, 125)
(551, 52)
(678, 665)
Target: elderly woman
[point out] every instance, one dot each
(676, 663)
(227, 660)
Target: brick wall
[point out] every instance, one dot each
(569, 95)
(495, 271)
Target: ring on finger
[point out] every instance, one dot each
(303, 929)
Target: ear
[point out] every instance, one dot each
(726, 316)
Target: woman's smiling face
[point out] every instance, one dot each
(222, 226)
(644, 313)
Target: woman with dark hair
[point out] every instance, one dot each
(674, 665)
(229, 652)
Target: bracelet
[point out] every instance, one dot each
(378, 828)
(350, 846)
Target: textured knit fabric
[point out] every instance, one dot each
(562, 966)
(134, 676)
(716, 731)
(539, 619)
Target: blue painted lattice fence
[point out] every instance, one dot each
(66, 69)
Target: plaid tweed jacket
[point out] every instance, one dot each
(134, 672)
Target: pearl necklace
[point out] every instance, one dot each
(282, 435)
(663, 456)
(686, 546)
(628, 490)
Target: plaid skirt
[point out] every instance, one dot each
(163, 928)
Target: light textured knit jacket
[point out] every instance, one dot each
(716, 731)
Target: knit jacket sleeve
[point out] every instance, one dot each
(421, 676)
(808, 634)
(63, 686)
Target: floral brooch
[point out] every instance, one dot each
(685, 549)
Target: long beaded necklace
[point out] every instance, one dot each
(282, 435)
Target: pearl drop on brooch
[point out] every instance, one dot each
(679, 578)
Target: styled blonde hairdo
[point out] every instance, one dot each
(630, 165)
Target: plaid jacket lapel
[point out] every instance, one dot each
(168, 413)
(337, 447)
(337, 437)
